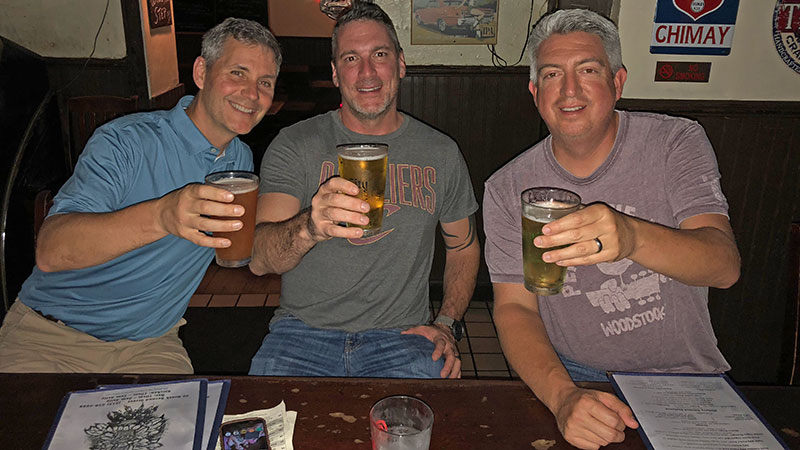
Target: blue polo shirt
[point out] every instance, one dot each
(144, 292)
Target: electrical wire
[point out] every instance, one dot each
(499, 61)
(94, 48)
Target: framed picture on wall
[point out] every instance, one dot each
(454, 22)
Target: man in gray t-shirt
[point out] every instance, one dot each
(640, 256)
(353, 305)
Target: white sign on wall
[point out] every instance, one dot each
(694, 27)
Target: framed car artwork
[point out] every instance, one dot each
(454, 22)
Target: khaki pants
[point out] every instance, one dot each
(32, 343)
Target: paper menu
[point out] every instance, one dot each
(215, 409)
(168, 415)
(693, 411)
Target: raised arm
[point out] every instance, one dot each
(284, 233)
(588, 419)
(72, 241)
(702, 252)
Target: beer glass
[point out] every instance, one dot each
(540, 206)
(365, 166)
(244, 186)
(400, 422)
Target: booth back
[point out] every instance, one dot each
(31, 158)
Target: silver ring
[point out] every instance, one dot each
(599, 245)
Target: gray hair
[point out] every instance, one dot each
(364, 10)
(245, 31)
(571, 20)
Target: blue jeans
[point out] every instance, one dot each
(293, 348)
(579, 372)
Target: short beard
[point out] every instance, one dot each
(369, 116)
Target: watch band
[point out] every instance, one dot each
(444, 320)
(455, 326)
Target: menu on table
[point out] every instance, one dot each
(693, 411)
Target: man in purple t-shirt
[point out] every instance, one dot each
(640, 256)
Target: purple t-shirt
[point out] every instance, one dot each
(620, 315)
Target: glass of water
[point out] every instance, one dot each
(400, 422)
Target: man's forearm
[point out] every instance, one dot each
(280, 246)
(460, 272)
(527, 347)
(73, 241)
(705, 256)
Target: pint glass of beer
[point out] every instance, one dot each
(365, 166)
(540, 206)
(244, 186)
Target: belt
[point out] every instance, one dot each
(47, 316)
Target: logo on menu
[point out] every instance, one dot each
(786, 32)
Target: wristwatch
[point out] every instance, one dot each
(455, 325)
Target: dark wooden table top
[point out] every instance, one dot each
(469, 414)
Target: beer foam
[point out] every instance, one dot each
(552, 204)
(355, 156)
(237, 185)
(541, 211)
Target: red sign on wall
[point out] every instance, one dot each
(683, 71)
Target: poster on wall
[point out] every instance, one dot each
(786, 32)
(694, 27)
(454, 22)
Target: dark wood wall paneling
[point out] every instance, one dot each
(758, 149)
(491, 115)
(488, 112)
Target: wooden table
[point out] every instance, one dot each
(469, 414)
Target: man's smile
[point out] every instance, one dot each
(241, 108)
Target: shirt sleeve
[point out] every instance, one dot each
(98, 184)
(502, 223)
(693, 178)
(459, 196)
(283, 169)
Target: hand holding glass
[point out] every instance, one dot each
(541, 206)
(365, 166)
(244, 186)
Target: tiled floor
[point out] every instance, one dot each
(481, 355)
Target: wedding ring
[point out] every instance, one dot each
(599, 245)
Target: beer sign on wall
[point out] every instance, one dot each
(786, 32)
(694, 27)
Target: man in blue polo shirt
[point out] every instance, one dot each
(124, 247)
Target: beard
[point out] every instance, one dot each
(370, 113)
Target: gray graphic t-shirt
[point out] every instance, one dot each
(380, 281)
(620, 315)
